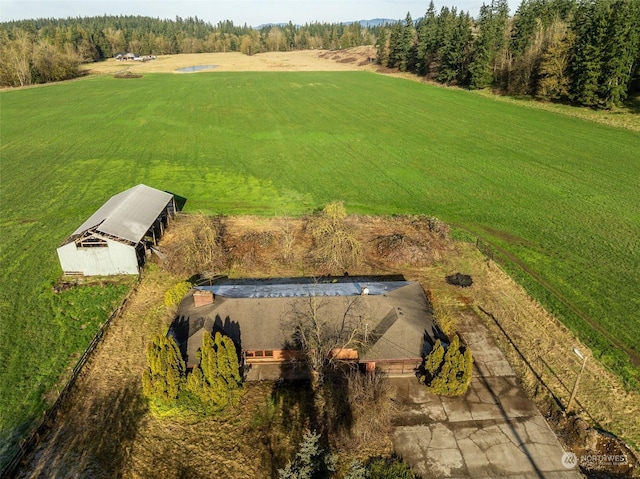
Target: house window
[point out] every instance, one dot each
(268, 353)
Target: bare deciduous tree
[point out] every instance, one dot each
(327, 332)
(336, 245)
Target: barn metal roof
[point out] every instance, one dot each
(128, 215)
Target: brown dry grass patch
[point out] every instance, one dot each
(303, 60)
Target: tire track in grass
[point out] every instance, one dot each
(634, 357)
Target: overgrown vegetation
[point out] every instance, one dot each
(201, 249)
(336, 248)
(362, 406)
(447, 371)
(174, 295)
(271, 418)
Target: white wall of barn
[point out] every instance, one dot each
(115, 258)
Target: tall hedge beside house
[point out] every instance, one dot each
(448, 372)
(214, 384)
(165, 376)
(216, 381)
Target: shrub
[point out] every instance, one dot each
(174, 295)
(433, 362)
(448, 373)
(216, 380)
(389, 468)
(370, 405)
(199, 245)
(311, 461)
(357, 470)
(337, 246)
(446, 313)
(164, 377)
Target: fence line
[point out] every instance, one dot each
(49, 416)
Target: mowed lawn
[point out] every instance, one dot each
(559, 194)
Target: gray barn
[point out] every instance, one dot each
(111, 241)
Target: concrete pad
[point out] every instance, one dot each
(457, 409)
(492, 431)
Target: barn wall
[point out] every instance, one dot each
(116, 258)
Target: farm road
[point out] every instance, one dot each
(493, 431)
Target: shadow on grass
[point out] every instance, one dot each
(91, 439)
(282, 421)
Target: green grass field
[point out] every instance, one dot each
(558, 195)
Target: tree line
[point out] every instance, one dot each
(586, 52)
(38, 51)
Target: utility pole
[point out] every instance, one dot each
(575, 385)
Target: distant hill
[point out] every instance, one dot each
(375, 22)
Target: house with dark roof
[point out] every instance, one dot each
(257, 315)
(114, 239)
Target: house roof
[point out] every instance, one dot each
(127, 215)
(396, 315)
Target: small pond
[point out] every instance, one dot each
(196, 68)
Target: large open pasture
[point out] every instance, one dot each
(559, 196)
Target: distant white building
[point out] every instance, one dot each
(113, 240)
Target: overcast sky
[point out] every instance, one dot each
(251, 12)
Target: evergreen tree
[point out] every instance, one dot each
(216, 381)
(620, 51)
(426, 45)
(395, 41)
(489, 58)
(406, 53)
(383, 48)
(164, 377)
(448, 373)
(591, 28)
(480, 67)
(459, 56)
(311, 461)
(447, 68)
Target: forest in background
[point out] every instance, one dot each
(586, 52)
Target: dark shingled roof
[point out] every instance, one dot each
(397, 314)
